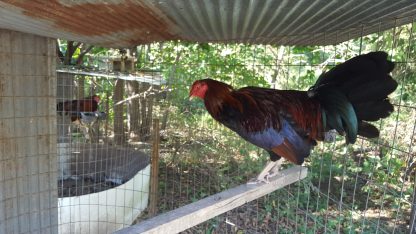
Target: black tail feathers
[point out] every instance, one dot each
(365, 82)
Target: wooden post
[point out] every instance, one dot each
(154, 175)
(107, 110)
(195, 213)
(28, 133)
(412, 224)
(119, 138)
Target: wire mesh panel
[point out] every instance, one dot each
(104, 118)
(104, 121)
(366, 187)
(27, 125)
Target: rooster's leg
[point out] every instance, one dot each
(85, 130)
(270, 170)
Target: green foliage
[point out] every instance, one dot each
(367, 177)
(183, 63)
(206, 158)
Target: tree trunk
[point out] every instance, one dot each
(133, 108)
(81, 86)
(149, 117)
(107, 122)
(165, 118)
(118, 112)
(144, 129)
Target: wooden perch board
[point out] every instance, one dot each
(195, 213)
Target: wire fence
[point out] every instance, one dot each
(366, 187)
(104, 152)
(103, 172)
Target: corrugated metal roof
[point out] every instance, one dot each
(123, 23)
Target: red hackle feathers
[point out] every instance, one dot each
(219, 94)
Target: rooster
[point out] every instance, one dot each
(74, 107)
(288, 123)
(83, 112)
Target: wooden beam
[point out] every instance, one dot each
(195, 213)
(154, 176)
(412, 228)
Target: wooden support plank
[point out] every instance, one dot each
(195, 213)
(412, 228)
(154, 175)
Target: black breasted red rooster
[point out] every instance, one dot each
(83, 112)
(74, 107)
(287, 123)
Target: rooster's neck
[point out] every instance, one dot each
(214, 102)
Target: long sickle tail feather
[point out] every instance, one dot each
(355, 92)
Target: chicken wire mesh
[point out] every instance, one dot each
(366, 187)
(103, 144)
(27, 156)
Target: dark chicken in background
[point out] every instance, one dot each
(83, 112)
(287, 123)
(74, 107)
